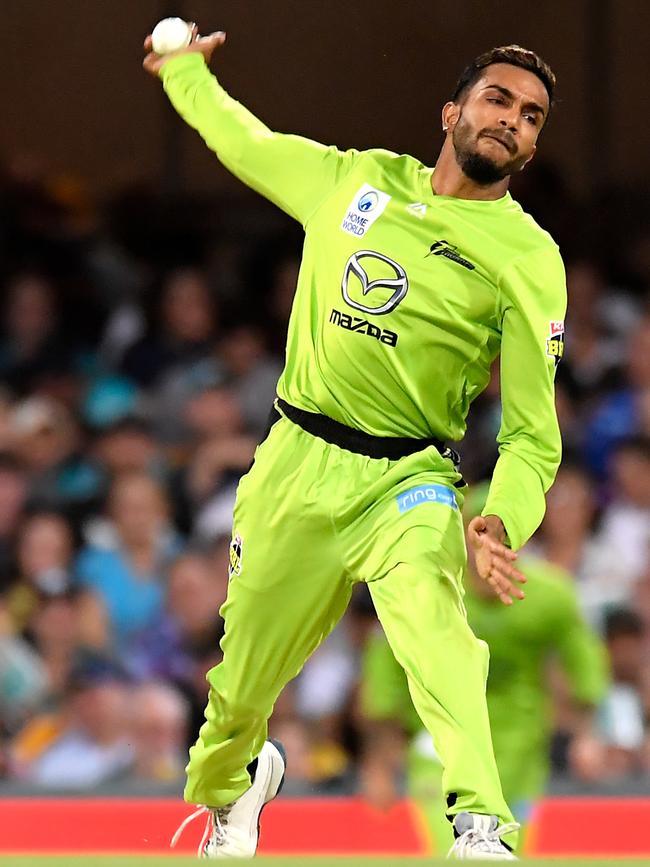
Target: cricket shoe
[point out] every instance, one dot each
(233, 831)
(479, 838)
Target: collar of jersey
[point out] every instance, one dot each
(426, 175)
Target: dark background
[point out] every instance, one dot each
(364, 73)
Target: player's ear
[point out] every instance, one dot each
(532, 154)
(450, 115)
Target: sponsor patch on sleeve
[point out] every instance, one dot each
(555, 341)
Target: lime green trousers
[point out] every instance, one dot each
(311, 519)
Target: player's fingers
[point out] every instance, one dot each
(207, 44)
(148, 43)
(518, 576)
(502, 595)
(503, 586)
(152, 63)
(499, 591)
(213, 39)
(506, 586)
(511, 571)
(500, 549)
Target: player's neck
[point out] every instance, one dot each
(449, 180)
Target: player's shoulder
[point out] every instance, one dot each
(530, 258)
(530, 236)
(390, 159)
(394, 168)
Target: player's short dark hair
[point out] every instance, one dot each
(621, 622)
(514, 55)
(634, 445)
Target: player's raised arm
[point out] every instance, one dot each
(295, 173)
(533, 306)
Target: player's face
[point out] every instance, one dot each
(495, 128)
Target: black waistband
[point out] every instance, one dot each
(357, 441)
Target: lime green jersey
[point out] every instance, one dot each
(404, 297)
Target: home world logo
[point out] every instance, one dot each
(366, 206)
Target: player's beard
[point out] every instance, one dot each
(478, 167)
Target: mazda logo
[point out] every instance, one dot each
(398, 283)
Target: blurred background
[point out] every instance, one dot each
(145, 296)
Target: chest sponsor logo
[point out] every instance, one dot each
(367, 271)
(362, 326)
(555, 341)
(408, 500)
(366, 206)
(449, 251)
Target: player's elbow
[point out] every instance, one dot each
(543, 456)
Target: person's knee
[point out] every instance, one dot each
(240, 709)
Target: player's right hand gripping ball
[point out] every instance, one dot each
(170, 34)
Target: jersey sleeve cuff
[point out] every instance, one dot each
(193, 60)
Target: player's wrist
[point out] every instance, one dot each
(177, 62)
(494, 527)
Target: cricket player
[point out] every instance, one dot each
(522, 642)
(412, 280)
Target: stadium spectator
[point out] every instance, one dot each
(251, 373)
(48, 441)
(159, 723)
(223, 452)
(187, 635)
(13, 497)
(625, 412)
(566, 534)
(84, 743)
(626, 521)
(187, 322)
(33, 350)
(44, 553)
(130, 446)
(125, 561)
(22, 681)
(624, 712)
(197, 589)
(56, 633)
(594, 350)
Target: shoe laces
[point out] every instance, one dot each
(483, 841)
(215, 827)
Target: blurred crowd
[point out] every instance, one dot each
(140, 342)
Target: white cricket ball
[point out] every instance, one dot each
(170, 34)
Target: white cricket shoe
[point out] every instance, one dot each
(233, 831)
(479, 838)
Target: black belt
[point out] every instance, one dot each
(357, 441)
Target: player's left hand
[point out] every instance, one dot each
(494, 561)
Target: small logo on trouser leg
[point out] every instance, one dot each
(431, 493)
(235, 556)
